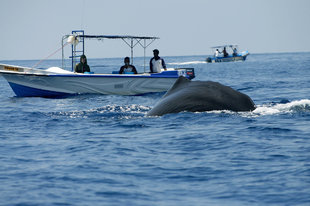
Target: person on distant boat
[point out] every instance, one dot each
(157, 63)
(127, 67)
(217, 53)
(235, 52)
(225, 52)
(82, 66)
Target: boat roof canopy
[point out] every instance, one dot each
(115, 37)
(226, 45)
(79, 36)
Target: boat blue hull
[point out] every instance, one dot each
(24, 91)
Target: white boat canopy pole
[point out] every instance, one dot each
(138, 41)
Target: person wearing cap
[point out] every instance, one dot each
(127, 67)
(82, 66)
(157, 63)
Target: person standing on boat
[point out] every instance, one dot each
(127, 67)
(82, 66)
(217, 53)
(235, 52)
(157, 63)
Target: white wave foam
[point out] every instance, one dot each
(134, 108)
(108, 110)
(291, 107)
(273, 109)
(186, 63)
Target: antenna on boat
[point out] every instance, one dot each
(82, 14)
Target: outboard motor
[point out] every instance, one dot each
(190, 72)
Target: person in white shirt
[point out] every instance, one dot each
(157, 63)
(217, 53)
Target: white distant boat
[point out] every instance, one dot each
(231, 55)
(55, 81)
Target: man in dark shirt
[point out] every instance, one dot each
(127, 67)
(82, 66)
(225, 52)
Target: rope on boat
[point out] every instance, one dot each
(50, 55)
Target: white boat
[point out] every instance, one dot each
(231, 55)
(58, 82)
(55, 81)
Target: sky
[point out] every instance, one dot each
(33, 29)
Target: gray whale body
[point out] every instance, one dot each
(199, 96)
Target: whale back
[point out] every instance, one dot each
(198, 96)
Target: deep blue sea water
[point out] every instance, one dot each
(103, 150)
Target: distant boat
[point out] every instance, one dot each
(55, 81)
(222, 55)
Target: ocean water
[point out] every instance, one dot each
(103, 150)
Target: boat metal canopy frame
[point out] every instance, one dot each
(231, 46)
(131, 41)
(227, 45)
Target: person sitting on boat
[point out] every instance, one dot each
(235, 52)
(225, 52)
(82, 66)
(157, 63)
(127, 67)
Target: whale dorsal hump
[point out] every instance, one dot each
(181, 82)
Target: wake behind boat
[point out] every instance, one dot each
(222, 54)
(55, 81)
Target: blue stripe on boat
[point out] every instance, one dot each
(24, 91)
